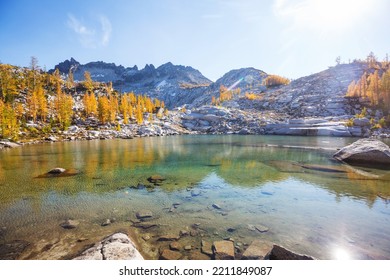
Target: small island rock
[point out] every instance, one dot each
(365, 151)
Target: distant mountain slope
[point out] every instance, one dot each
(247, 79)
(319, 94)
(175, 84)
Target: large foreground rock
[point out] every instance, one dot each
(114, 247)
(365, 151)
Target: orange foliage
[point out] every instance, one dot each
(275, 80)
(374, 87)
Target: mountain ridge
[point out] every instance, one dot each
(320, 94)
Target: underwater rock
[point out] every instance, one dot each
(206, 248)
(257, 250)
(156, 179)
(106, 223)
(59, 172)
(261, 228)
(175, 246)
(70, 224)
(216, 206)
(144, 225)
(196, 255)
(258, 227)
(170, 255)
(144, 214)
(195, 193)
(169, 237)
(223, 250)
(231, 229)
(188, 247)
(323, 168)
(13, 249)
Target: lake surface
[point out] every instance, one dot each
(215, 187)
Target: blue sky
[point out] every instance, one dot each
(292, 38)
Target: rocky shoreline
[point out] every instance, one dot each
(210, 120)
(119, 246)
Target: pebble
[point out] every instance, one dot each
(175, 246)
(69, 224)
(143, 214)
(106, 223)
(195, 193)
(146, 237)
(216, 206)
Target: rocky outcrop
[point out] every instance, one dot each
(328, 126)
(114, 247)
(219, 120)
(365, 151)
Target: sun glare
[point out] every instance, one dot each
(324, 15)
(341, 254)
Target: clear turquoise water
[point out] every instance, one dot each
(310, 203)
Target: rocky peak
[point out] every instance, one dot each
(66, 65)
(244, 77)
(103, 65)
(149, 68)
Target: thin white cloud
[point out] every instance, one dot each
(106, 30)
(91, 37)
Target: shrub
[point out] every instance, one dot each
(275, 80)
(349, 123)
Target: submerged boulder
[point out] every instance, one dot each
(59, 172)
(366, 152)
(69, 224)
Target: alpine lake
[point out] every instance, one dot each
(285, 190)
